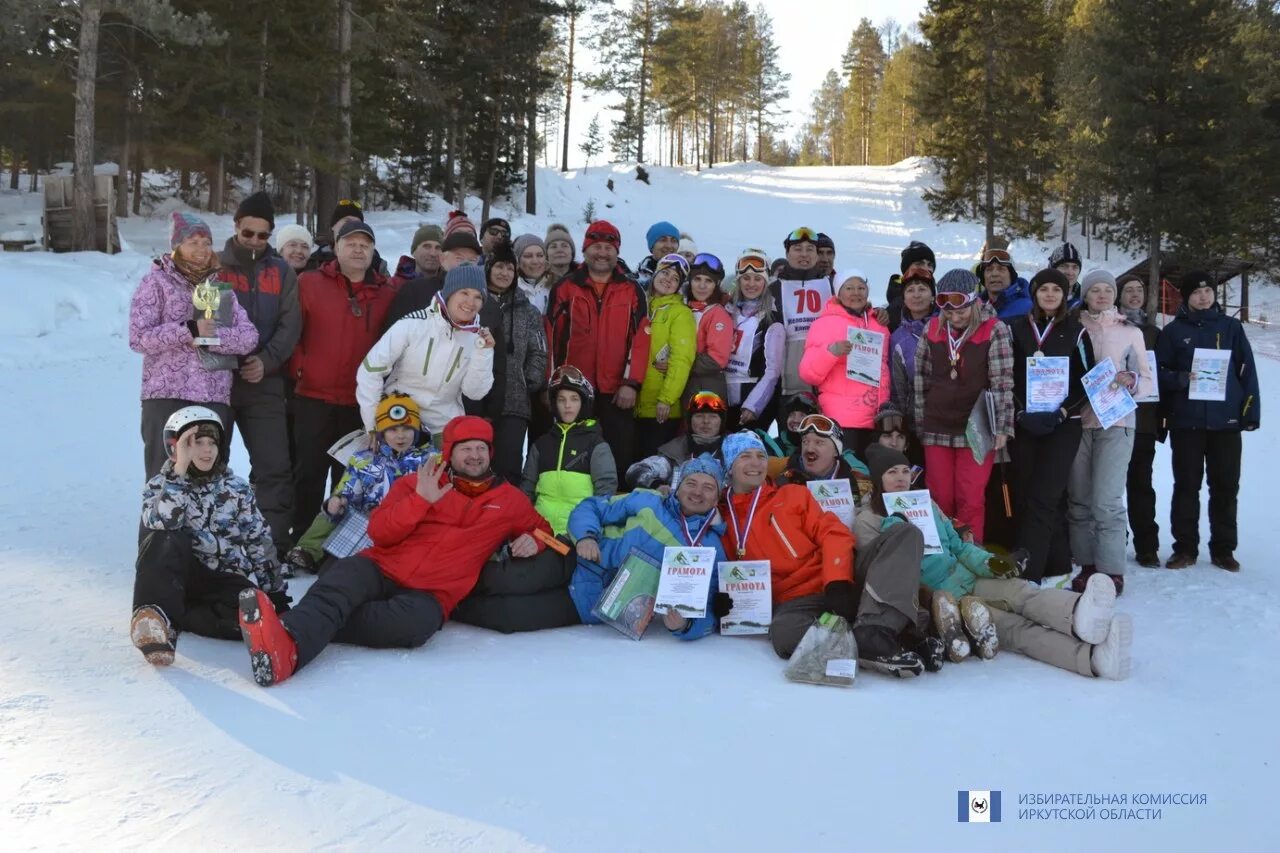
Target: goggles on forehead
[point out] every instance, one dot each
(604, 237)
(569, 372)
(709, 261)
(997, 256)
(753, 260)
(707, 401)
(800, 235)
(347, 202)
(952, 301)
(820, 425)
(670, 261)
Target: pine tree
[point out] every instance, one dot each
(864, 66)
(766, 82)
(624, 138)
(895, 127)
(592, 144)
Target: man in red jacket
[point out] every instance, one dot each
(431, 536)
(596, 321)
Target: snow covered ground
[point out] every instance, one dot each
(577, 739)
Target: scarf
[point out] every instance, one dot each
(194, 274)
(470, 488)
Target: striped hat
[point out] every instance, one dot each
(184, 225)
(459, 233)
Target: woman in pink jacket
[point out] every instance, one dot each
(850, 399)
(715, 328)
(163, 325)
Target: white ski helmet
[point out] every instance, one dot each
(185, 419)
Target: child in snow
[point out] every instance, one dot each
(572, 462)
(401, 449)
(204, 542)
(1080, 632)
(715, 328)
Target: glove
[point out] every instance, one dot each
(1040, 423)
(650, 472)
(721, 604)
(838, 599)
(1009, 566)
(280, 600)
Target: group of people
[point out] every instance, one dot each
(525, 420)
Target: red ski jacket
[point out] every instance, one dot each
(599, 335)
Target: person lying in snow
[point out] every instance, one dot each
(204, 542)
(431, 536)
(1080, 632)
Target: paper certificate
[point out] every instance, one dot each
(864, 361)
(349, 445)
(627, 604)
(1154, 396)
(1110, 400)
(1209, 374)
(835, 496)
(1048, 377)
(750, 586)
(685, 581)
(917, 506)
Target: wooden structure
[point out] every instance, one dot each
(58, 197)
(1222, 270)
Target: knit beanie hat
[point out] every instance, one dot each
(463, 277)
(1093, 278)
(501, 254)
(495, 220)
(1193, 281)
(825, 242)
(805, 402)
(524, 241)
(258, 206)
(465, 428)
(958, 281)
(428, 233)
(346, 208)
(293, 232)
(396, 409)
(889, 417)
(1131, 277)
(736, 444)
(601, 231)
(459, 233)
(703, 464)
(1064, 254)
(879, 460)
(1049, 276)
(846, 274)
(556, 231)
(917, 251)
(923, 276)
(687, 246)
(658, 230)
(184, 225)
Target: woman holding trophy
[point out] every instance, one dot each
(189, 331)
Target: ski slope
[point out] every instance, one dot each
(577, 739)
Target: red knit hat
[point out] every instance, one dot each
(601, 231)
(459, 233)
(465, 428)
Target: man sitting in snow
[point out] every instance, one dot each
(431, 536)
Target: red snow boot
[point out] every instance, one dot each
(1079, 581)
(272, 652)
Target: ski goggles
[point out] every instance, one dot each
(996, 256)
(800, 235)
(567, 372)
(820, 425)
(710, 261)
(752, 260)
(348, 202)
(603, 237)
(673, 261)
(954, 301)
(707, 401)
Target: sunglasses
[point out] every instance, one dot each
(603, 237)
(952, 301)
(346, 202)
(709, 261)
(757, 261)
(498, 231)
(801, 234)
(820, 425)
(705, 400)
(247, 234)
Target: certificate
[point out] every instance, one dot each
(1048, 378)
(750, 586)
(917, 506)
(685, 581)
(835, 496)
(1209, 374)
(864, 361)
(1110, 400)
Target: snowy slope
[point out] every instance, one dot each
(576, 739)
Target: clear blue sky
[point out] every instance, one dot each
(811, 36)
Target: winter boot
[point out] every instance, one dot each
(930, 650)
(296, 562)
(1078, 582)
(272, 652)
(1097, 604)
(878, 649)
(1225, 561)
(946, 621)
(1180, 561)
(978, 625)
(153, 635)
(1111, 658)
(1148, 561)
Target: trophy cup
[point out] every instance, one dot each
(207, 297)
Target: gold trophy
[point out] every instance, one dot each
(207, 297)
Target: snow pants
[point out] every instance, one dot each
(958, 485)
(619, 429)
(886, 591)
(1196, 451)
(522, 595)
(1036, 622)
(1095, 492)
(1141, 495)
(194, 597)
(259, 412)
(1041, 469)
(354, 602)
(317, 425)
(154, 415)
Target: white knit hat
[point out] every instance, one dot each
(293, 232)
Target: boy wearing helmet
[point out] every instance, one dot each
(402, 449)
(204, 541)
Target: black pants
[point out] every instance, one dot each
(194, 597)
(317, 425)
(154, 415)
(508, 447)
(619, 429)
(261, 416)
(1141, 496)
(354, 602)
(541, 417)
(522, 595)
(1041, 468)
(1194, 452)
(1000, 528)
(650, 435)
